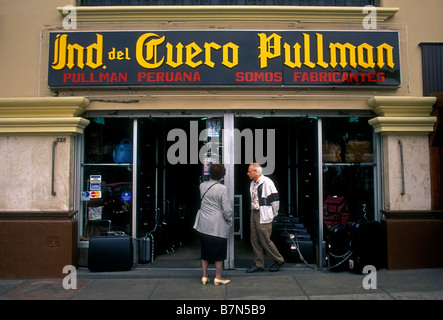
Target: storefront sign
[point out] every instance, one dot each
(224, 58)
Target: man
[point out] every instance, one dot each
(264, 207)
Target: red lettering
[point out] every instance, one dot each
(169, 77)
(122, 77)
(187, 76)
(104, 77)
(66, 77)
(353, 77)
(258, 77)
(141, 75)
(314, 76)
(76, 77)
(296, 76)
(340, 77)
(335, 76)
(381, 76)
(95, 78)
(323, 77)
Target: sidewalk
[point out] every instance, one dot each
(289, 283)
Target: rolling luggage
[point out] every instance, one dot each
(293, 240)
(146, 249)
(162, 238)
(299, 250)
(367, 245)
(110, 253)
(284, 222)
(338, 247)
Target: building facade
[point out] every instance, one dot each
(111, 114)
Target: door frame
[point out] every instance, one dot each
(228, 161)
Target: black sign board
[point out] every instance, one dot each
(224, 58)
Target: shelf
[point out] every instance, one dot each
(349, 164)
(107, 164)
(238, 215)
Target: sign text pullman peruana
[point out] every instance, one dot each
(208, 58)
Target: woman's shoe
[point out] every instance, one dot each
(204, 280)
(219, 281)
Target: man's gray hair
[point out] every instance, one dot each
(257, 168)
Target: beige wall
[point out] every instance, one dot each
(424, 24)
(416, 177)
(21, 22)
(26, 170)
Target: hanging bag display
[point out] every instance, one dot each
(123, 152)
(334, 211)
(331, 152)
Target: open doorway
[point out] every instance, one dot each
(168, 191)
(168, 182)
(158, 192)
(292, 165)
(167, 176)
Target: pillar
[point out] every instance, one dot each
(413, 231)
(405, 123)
(38, 226)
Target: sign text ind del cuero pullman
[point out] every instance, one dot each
(309, 58)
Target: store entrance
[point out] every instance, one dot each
(168, 180)
(169, 176)
(290, 151)
(158, 193)
(168, 171)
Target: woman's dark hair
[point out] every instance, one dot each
(217, 171)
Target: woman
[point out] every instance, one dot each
(214, 222)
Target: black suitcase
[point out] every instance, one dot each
(298, 231)
(110, 253)
(146, 249)
(367, 245)
(162, 238)
(298, 250)
(279, 236)
(338, 247)
(285, 222)
(286, 219)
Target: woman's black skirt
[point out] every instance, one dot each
(213, 248)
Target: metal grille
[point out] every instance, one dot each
(331, 3)
(432, 61)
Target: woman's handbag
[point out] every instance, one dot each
(197, 216)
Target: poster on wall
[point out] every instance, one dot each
(224, 58)
(213, 126)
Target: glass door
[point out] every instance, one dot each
(349, 188)
(174, 156)
(349, 165)
(107, 178)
